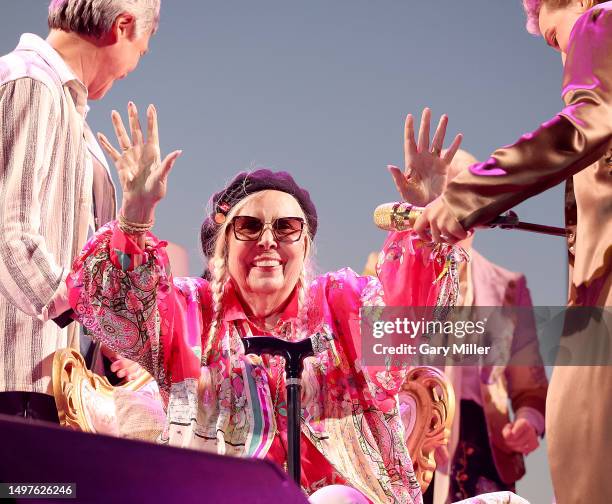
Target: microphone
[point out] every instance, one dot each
(398, 216)
(401, 216)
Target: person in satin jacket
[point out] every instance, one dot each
(574, 146)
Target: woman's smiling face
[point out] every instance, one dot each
(266, 266)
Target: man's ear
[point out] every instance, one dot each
(124, 26)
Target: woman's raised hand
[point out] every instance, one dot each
(142, 173)
(425, 171)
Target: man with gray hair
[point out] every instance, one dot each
(55, 185)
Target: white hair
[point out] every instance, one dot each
(96, 17)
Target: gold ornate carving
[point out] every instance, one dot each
(429, 392)
(85, 400)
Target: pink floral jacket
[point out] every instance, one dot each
(350, 412)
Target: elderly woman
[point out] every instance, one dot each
(575, 145)
(187, 331)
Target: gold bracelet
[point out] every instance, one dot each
(134, 228)
(143, 225)
(130, 230)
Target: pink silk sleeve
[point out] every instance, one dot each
(138, 311)
(415, 273)
(410, 273)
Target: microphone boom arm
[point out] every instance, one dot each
(510, 220)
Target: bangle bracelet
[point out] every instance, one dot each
(142, 225)
(130, 230)
(134, 228)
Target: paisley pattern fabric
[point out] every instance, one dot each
(350, 412)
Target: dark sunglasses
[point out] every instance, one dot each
(284, 229)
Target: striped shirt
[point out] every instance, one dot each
(49, 164)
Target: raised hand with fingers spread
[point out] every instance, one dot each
(142, 173)
(425, 166)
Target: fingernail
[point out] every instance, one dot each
(130, 104)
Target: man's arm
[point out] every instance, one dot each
(574, 139)
(30, 277)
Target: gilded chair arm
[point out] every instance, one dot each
(431, 395)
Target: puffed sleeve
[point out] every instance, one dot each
(139, 311)
(415, 273)
(569, 142)
(411, 273)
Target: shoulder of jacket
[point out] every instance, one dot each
(26, 65)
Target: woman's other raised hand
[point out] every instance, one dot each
(425, 166)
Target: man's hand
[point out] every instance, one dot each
(520, 436)
(438, 224)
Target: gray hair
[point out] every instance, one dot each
(96, 17)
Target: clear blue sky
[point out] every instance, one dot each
(321, 88)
